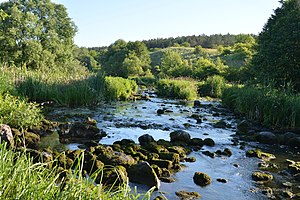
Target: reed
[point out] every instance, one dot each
(177, 88)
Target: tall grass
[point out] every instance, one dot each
(178, 89)
(69, 87)
(117, 88)
(271, 107)
(213, 86)
(20, 178)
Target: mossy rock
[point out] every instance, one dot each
(294, 166)
(153, 147)
(112, 176)
(162, 163)
(201, 179)
(190, 159)
(259, 154)
(157, 170)
(210, 154)
(164, 143)
(209, 142)
(260, 176)
(115, 158)
(140, 156)
(196, 142)
(182, 151)
(173, 157)
(188, 195)
(143, 173)
(165, 172)
(30, 139)
(124, 142)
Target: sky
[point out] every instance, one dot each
(102, 22)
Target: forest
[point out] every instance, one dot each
(256, 77)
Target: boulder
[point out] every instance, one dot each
(80, 131)
(222, 180)
(112, 176)
(160, 111)
(220, 124)
(180, 136)
(260, 176)
(243, 127)
(143, 173)
(294, 142)
(6, 135)
(266, 137)
(197, 104)
(188, 195)
(124, 142)
(259, 154)
(173, 157)
(201, 179)
(209, 142)
(196, 142)
(146, 139)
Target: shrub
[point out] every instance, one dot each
(213, 86)
(18, 113)
(271, 107)
(117, 88)
(178, 89)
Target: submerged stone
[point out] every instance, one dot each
(188, 195)
(201, 179)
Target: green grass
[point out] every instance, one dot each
(20, 178)
(117, 88)
(213, 86)
(177, 89)
(271, 107)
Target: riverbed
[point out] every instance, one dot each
(129, 120)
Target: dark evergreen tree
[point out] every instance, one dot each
(278, 57)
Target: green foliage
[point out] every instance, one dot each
(269, 106)
(117, 88)
(86, 57)
(18, 113)
(199, 50)
(20, 178)
(178, 89)
(145, 80)
(279, 48)
(5, 84)
(126, 59)
(35, 34)
(212, 87)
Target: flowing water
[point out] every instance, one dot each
(132, 119)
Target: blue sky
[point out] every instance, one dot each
(101, 22)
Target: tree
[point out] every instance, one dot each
(279, 47)
(86, 57)
(126, 59)
(35, 33)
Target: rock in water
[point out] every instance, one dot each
(6, 135)
(146, 139)
(201, 179)
(143, 173)
(260, 176)
(197, 104)
(266, 137)
(188, 195)
(180, 136)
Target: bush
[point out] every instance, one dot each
(269, 106)
(18, 113)
(178, 89)
(117, 88)
(212, 87)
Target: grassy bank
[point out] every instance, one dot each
(271, 107)
(176, 88)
